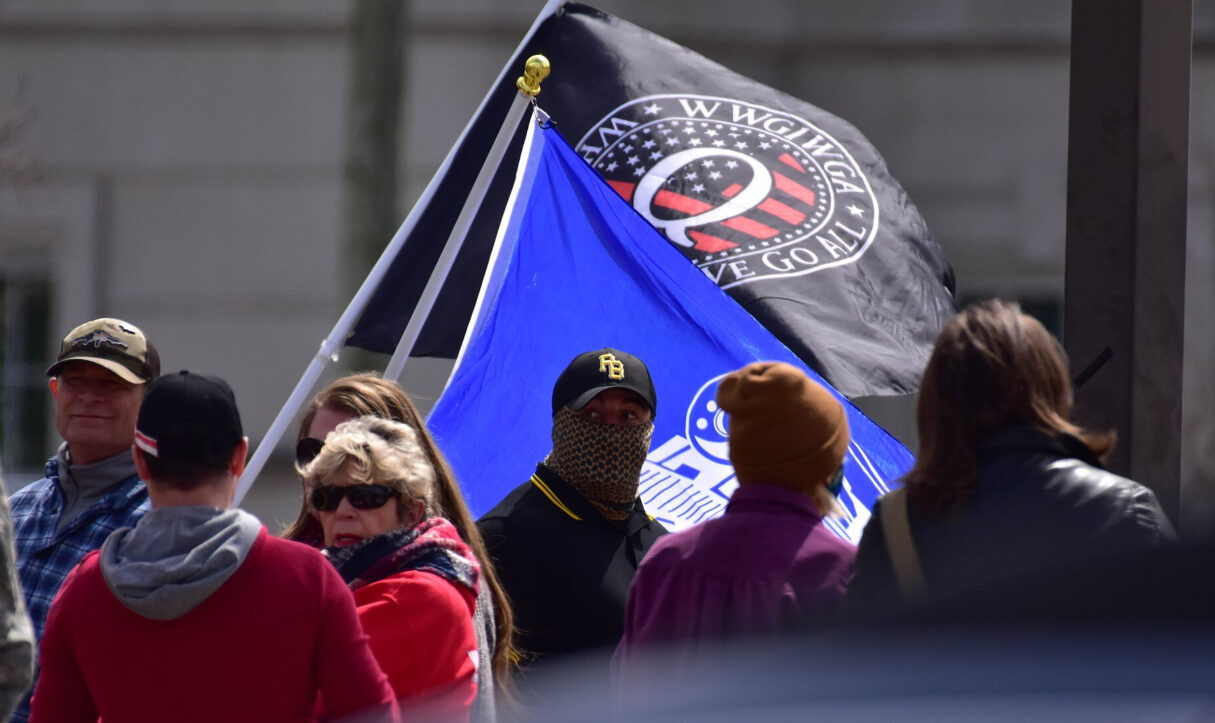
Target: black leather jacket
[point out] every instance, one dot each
(1041, 502)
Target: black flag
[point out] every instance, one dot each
(785, 206)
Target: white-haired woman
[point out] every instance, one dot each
(372, 489)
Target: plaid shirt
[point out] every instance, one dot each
(45, 556)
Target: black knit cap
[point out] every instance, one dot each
(592, 372)
(188, 417)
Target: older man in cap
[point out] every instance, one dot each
(195, 612)
(768, 564)
(91, 487)
(567, 542)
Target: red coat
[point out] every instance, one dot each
(282, 628)
(421, 632)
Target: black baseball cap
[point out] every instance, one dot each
(188, 417)
(591, 372)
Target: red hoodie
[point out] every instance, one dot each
(281, 629)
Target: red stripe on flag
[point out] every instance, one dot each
(795, 189)
(731, 190)
(677, 202)
(692, 206)
(790, 161)
(710, 244)
(624, 188)
(749, 227)
(783, 212)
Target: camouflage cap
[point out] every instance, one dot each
(112, 344)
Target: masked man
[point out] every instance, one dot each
(567, 542)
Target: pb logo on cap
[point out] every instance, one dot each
(592, 372)
(613, 366)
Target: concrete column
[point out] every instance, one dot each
(1126, 223)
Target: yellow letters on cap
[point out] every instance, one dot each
(613, 366)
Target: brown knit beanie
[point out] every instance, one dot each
(785, 429)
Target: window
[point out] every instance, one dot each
(25, 318)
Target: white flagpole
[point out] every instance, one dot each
(538, 118)
(455, 241)
(434, 285)
(332, 344)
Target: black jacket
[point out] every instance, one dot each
(565, 568)
(1040, 503)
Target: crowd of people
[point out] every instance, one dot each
(148, 597)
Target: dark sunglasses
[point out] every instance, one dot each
(326, 498)
(307, 449)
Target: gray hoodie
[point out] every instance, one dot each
(174, 558)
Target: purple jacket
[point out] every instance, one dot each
(768, 564)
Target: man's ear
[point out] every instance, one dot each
(239, 456)
(54, 382)
(141, 462)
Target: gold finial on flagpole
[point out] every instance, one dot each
(535, 70)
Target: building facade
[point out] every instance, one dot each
(180, 164)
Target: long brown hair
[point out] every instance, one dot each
(991, 366)
(368, 395)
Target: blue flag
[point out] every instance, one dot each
(576, 268)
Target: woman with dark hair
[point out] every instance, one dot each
(1005, 485)
(366, 394)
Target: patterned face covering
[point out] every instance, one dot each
(602, 461)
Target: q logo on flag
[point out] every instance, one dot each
(744, 191)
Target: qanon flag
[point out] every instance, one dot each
(786, 207)
(577, 268)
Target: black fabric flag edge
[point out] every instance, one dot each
(802, 223)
